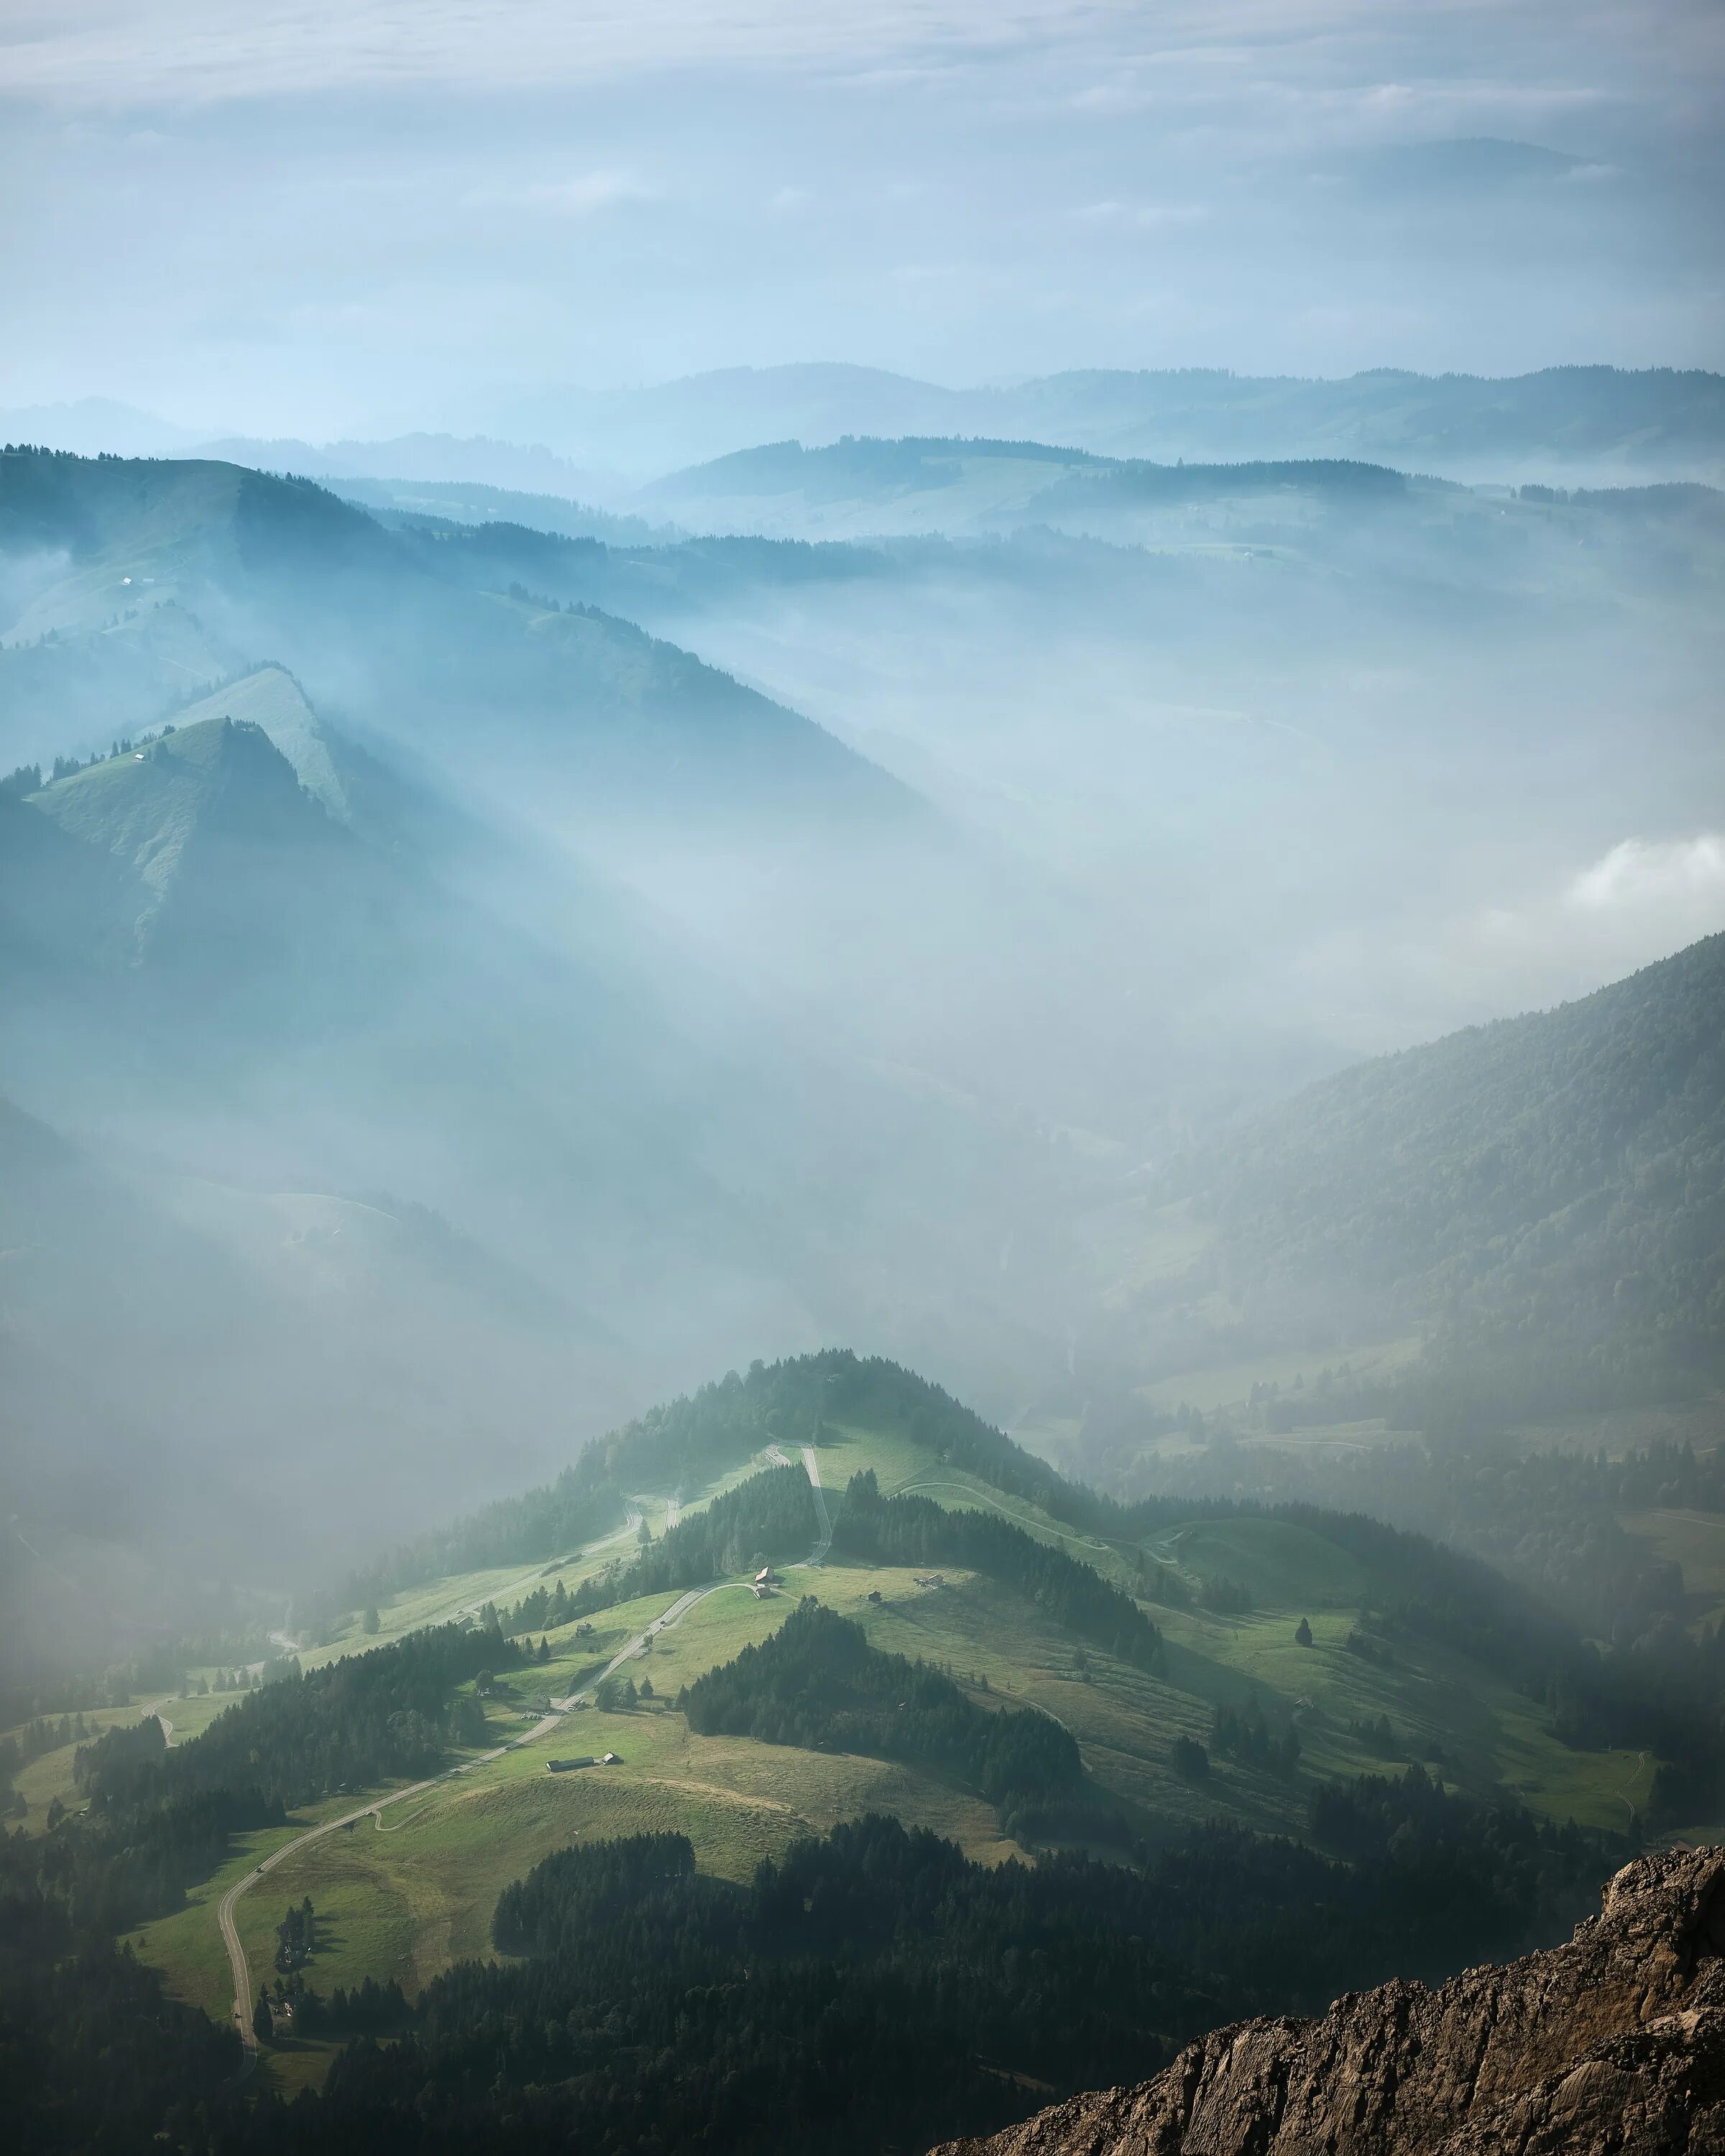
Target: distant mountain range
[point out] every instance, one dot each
(1561, 422)
(1568, 424)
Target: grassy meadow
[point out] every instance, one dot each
(407, 1893)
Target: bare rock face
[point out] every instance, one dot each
(1612, 2046)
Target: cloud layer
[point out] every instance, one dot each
(324, 217)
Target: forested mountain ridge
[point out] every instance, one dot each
(620, 1949)
(1545, 1193)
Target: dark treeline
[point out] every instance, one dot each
(97, 2058)
(366, 1719)
(816, 1682)
(370, 2009)
(30, 1743)
(875, 1987)
(160, 1666)
(912, 1530)
(1246, 1736)
(1549, 1519)
(769, 1516)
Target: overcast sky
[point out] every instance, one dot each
(326, 216)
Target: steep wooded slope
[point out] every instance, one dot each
(1546, 1192)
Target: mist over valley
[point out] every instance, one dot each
(862, 1083)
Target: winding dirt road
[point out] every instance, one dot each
(820, 1506)
(373, 1808)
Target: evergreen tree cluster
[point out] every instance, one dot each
(873, 1988)
(771, 1515)
(912, 1530)
(818, 1683)
(1250, 1739)
(97, 2058)
(690, 1442)
(297, 1936)
(367, 1718)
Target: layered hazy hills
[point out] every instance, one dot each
(861, 487)
(271, 568)
(266, 961)
(1413, 541)
(1556, 423)
(452, 501)
(1543, 1198)
(296, 1054)
(1565, 424)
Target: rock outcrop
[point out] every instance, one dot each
(1611, 2046)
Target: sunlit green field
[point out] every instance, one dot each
(51, 1775)
(405, 1894)
(405, 1897)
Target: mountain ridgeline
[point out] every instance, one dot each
(279, 568)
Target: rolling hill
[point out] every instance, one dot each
(1235, 1719)
(1559, 423)
(1565, 423)
(861, 488)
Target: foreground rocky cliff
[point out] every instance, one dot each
(1613, 2043)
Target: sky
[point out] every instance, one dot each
(327, 217)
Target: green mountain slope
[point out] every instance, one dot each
(68, 689)
(1545, 1195)
(269, 698)
(220, 845)
(1278, 1653)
